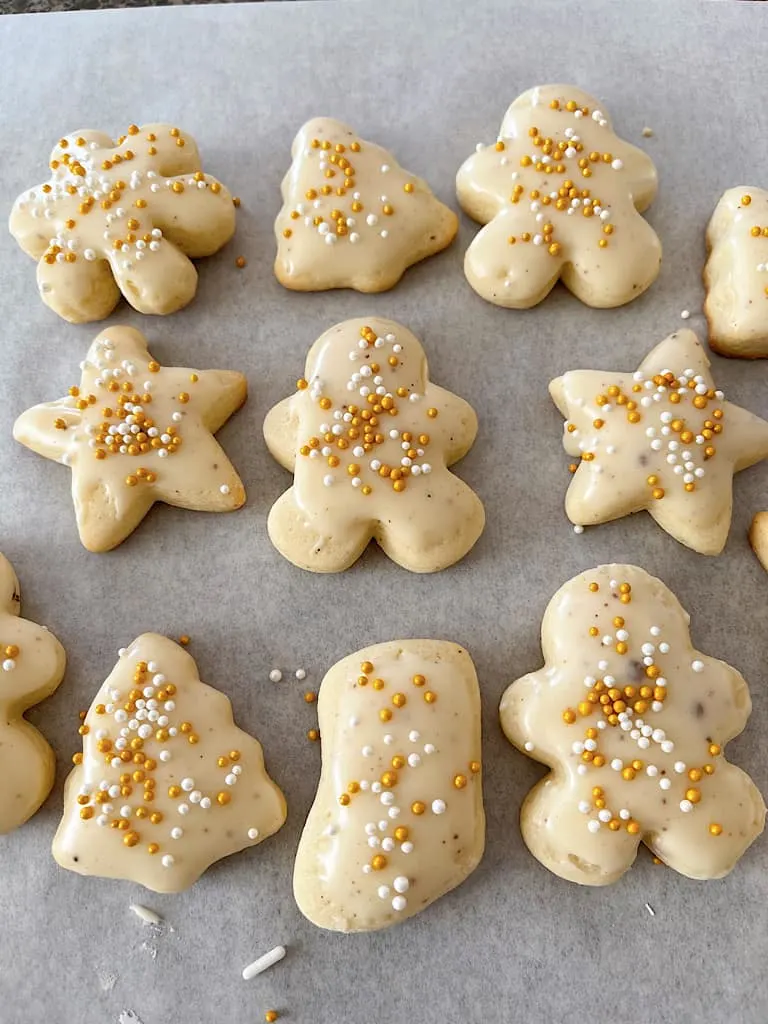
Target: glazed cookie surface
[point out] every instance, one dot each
(736, 274)
(134, 432)
(32, 663)
(632, 722)
(561, 196)
(167, 783)
(369, 440)
(352, 217)
(398, 818)
(122, 217)
(662, 439)
(758, 537)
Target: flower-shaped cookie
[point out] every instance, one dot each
(32, 663)
(662, 439)
(135, 432)
(561, 195)
(352, 217)
(632, 722)
(369, 440)
(398, 818)
(736, 274)
(167, 783)
(122, 217)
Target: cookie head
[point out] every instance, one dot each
(124, 217)
(632, 722)
(561, 195)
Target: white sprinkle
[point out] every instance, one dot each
(275, 675)
(9, 665)
(147, 916)
(383, 892)
(399, 903)
(593, 825)
(584, 807)
(686, 806)
(685, 315)
(667, 745)
(253, 833)
(406, 847)
(177, 833)
(263, 963)
(528, 746)
(401, 884)
(168, 861)
(665, 783)
(697, 666)
(224, 489)
(578, 529)
(438, 806)
(679, 767)
(301, 673)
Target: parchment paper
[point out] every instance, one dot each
(428, 80)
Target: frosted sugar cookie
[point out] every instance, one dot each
(736, 274)
(662, 439)
(122, 217)
(561, 196)
(632, 722)
(32, 663)
(369, 439)
(166, 784)
(758, 537)
(352, 217)
(134, 432)
(398, 817)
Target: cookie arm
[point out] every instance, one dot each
(281, 427)
(461, 434)
(36, 429)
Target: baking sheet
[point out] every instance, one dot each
(428, 80)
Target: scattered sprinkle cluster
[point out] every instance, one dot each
(334, 207)
(610, 703)
(565, 163)
(682, 418)
(355, 432)
(10, 654)
(389, 834)
(99, 200)
(128, 740)
(125, 426)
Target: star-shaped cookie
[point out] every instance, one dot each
(369, 439)
(134, 432)
(662, 439)
(122, 216)
(166, 783)
(561, 196)
(632, 722)
(32, 663)
(352, 217)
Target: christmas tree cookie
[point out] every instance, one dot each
(398, 818)
(561, 196)
(369, 439)
(352, 217)
(167, 783)
(32, 663)
(134, 432)
(122, 217)
(632, 722)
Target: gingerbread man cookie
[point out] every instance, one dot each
(398, 817)
(167, 783)
(736, 274)
(122, 216)
(369, 440)
(352, 217)
(662, 439)
(32, 663)
(632, 722)
(118, 428)
(561, 196)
